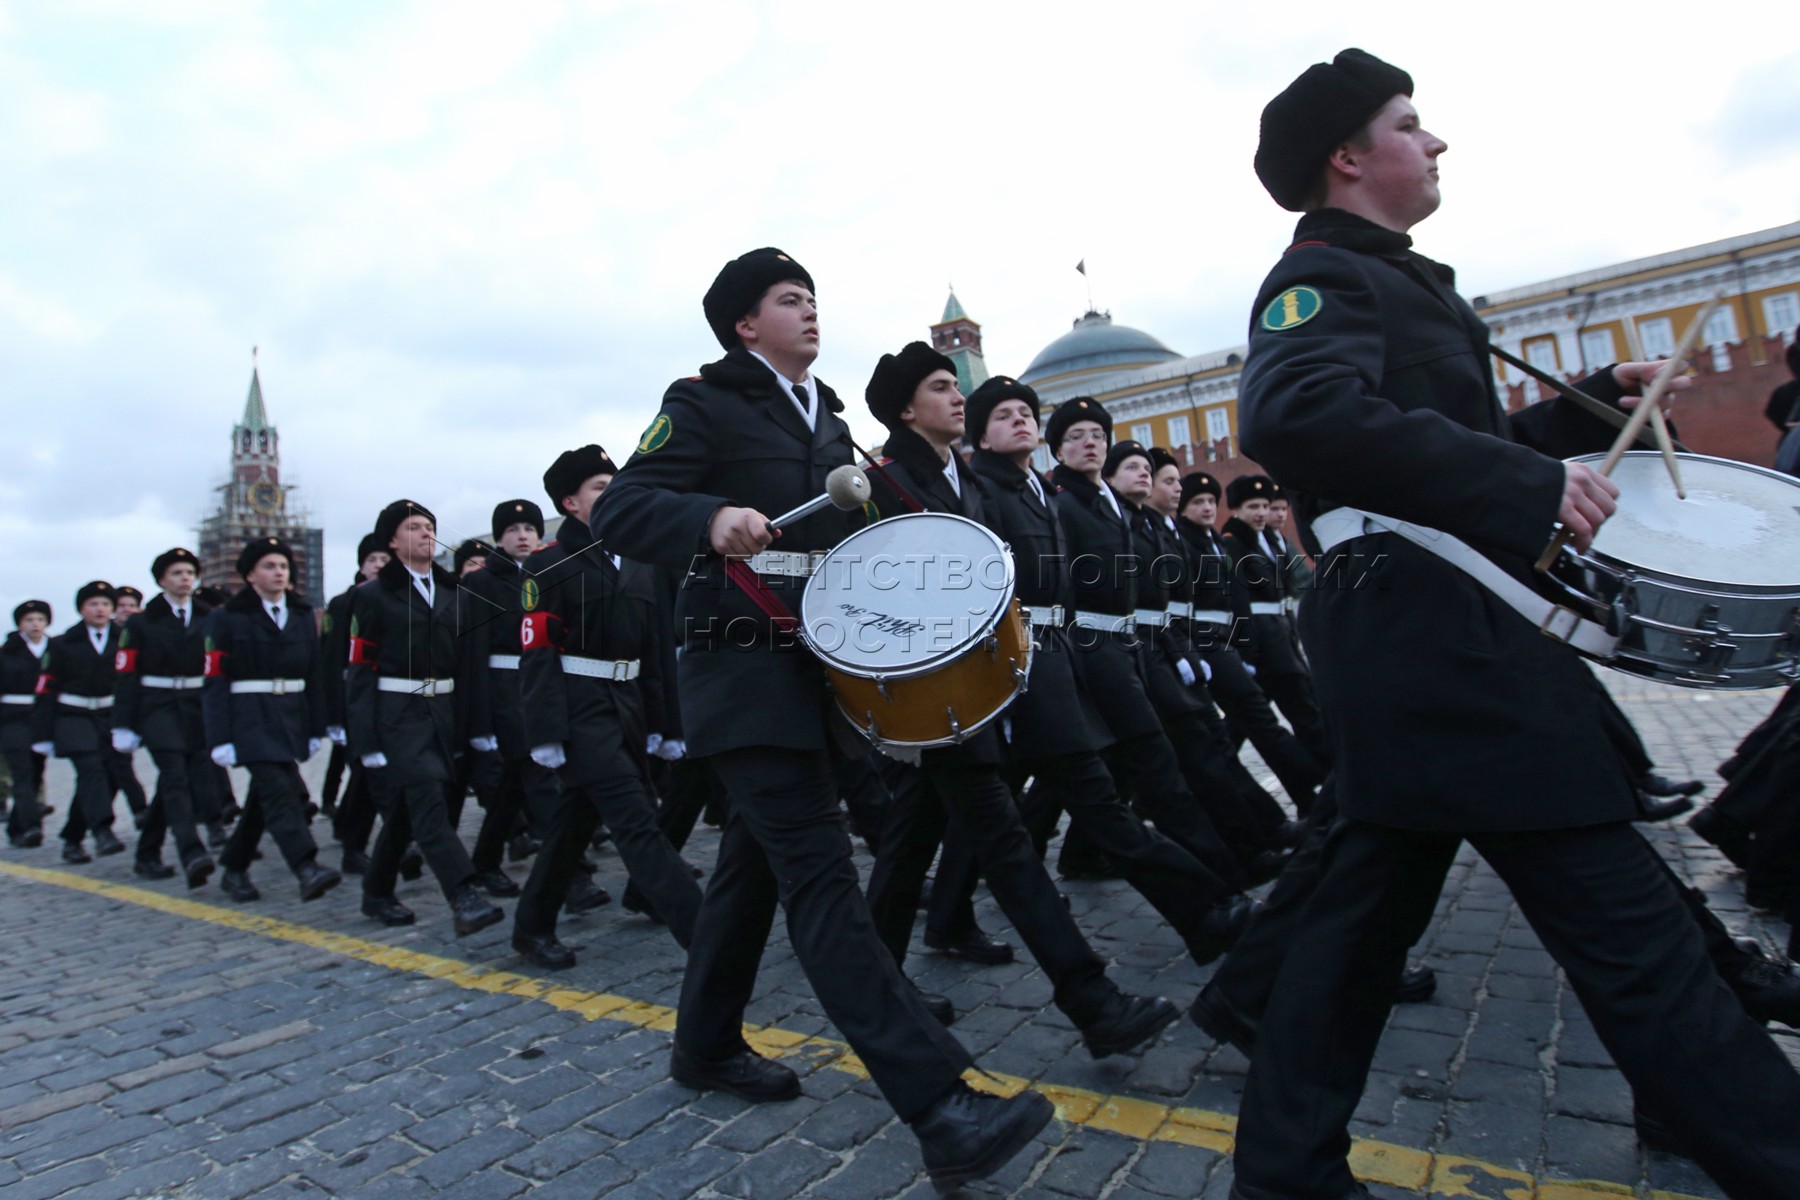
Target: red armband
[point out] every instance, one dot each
(125, 662)
(43, 684)
(534, 631)
(215, 664)
(364, 652)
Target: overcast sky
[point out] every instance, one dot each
(469, 235)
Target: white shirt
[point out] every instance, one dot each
(426, 585)
(38, 647)
(809, 412)
(98, 637)
(951, 475)
(1036, 487)
(180, 611)
(1106, 490)
(277, 612)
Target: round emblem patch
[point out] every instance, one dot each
(657, 435)
(528, 595)
(1296, 306)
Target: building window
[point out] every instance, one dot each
(1542, 354)
(1597, 348)
(1657, 336)
(1781, 313)
(1040, 458)
(1721, 326)
(1178, 432)
(1218, 424)
(1141, 433)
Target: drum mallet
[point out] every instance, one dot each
(1663, 442)
(845, 488)
(1639, 417)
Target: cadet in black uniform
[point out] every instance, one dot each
(1451, 715)
(753, 436)
(354, 819)
(20, 665)
(264, 706)
(127, 603)
(406, 658)
(156, 704)
(590, 621)
(74, 692)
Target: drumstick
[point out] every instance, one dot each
(1635, 426)
(1657, 421)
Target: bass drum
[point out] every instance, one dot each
(1704, 591)
(915, 621)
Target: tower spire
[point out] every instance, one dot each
(256, 417)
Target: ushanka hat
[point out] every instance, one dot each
(370, 544)
(1080, 408)
(573, 468)
(169, 558)
(32, 606)
(1249, 487)
(1198, 483)
(1115, 458)
(898, 376)
(741, 284)
(97, 589)
(259, 549)
(1315, 115)
(517, 512)
(979, 407)
(391, 518)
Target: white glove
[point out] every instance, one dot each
(125, 741)
(486, 745)
(374, 761)
(336, 733)
(1185, 669)
(671, 749)
(226, 755)
(652, 743)
(47, 749)
(1250, 669)
(1006, 729)
(549, 756)
(313, 746)
(1207, 668)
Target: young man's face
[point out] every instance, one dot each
(97, 611)
(1278, 514)
(270, 575)
(519, 541)
(581, 505)
(1254, 512)
(1083, 447)
(33, 624)
(125, 607)
(416, 539)
(1203, 509)
(472, 564)
(179, 581)
(1399, 169)
(1012, 429)
(936, 410)
(1165, 489)
(1131, 479)
(784, 327)
(373, 562)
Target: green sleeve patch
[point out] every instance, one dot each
(529, 595)
(1292, 308)
(326, 624)
(657, 436)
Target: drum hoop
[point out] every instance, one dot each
(990, 622)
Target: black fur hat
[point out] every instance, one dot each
(370, 544)
(573, 468)
(1079, 408)
(515, 512)
(1160, 458)
(1249, 487)
(32, 606)
(979, 407)
(1124, 450)
(1198, 483)
(741, 284)
(260, 548)
(98, 588)
(470, 548)
(1315, 114)
(388, 523)
(169, 558)
(898, 376)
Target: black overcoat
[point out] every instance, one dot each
(71, 665)
(243, 643)
(154, 642)
(394, 634)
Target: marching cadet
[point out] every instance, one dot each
(914, 394)
(589, 621)
(1219, 625)
(156, 704)
(405, 658)
(264, 704)
(752, 436)
(1274, 648)
(21, 658)
(127, 603)
(74, 690)
(354, 820)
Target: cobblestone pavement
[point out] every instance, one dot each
(155, 1042)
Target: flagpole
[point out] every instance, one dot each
(1082, 267)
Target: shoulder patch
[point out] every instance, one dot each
(529, 595)
(657, 435)
(1292, 308)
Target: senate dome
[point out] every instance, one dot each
(1095, 344)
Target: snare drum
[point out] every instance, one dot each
(915, 621)
(1704, 591)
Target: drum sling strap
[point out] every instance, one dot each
(1553, 620)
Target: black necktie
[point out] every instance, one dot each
(275, 615)
(182, 613)
(804, 399)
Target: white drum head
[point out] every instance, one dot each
(1739, 525)
(906, 595)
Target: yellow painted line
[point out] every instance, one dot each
(1398, 1166)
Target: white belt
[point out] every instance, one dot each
(1104, 622)
(1267, 608)
(268, 687)
(173, 683)
(783, 562)
(1552, 619)
(91, 703)
(18, 698)
(1152, 618)
(1210, 616)
(416, 687)
(1040, 615)
(503, 662)
(617, 670)
(1292, 603)
(1181, 609)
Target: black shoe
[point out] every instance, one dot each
(1662, 785)
(746, 1073)
(496, 883)
(521, 848)
(696, 872)
(974, 946)
(237, 885)
(1768, 988)
(1267, 865)
(152, 869)
(1722, 831)
(231, 811)
(387, 910)
(600, 838)
(73, 853)
(138, 817)
(316, 880)
(472, 911)
(585, 897)
(1223, 1021)
(1290, 833)
(543, 950)
(412, 864)
(216, 837)
(31, 839)
(1651, 809)
(355, 863)
(634, 901)
(1127, 1023)
(1417, 985)
(1099, 867)
(106, 844)
(969, 1135)
(940, 1008)
(1654, 1135)
(1220, 927)
(198, 870)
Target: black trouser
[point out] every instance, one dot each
(123, 773)
(27, 770)
(689, 787)
(568, 815)
(334, 776)
(1149, 766)
(414, 812)
(1249, 715)
(784, 842)
(180, 776)
(974, 804)
(355, 819)
(90, 809)
(277, 801)
(501, 789)
(1292, 692)
(1606, 909)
